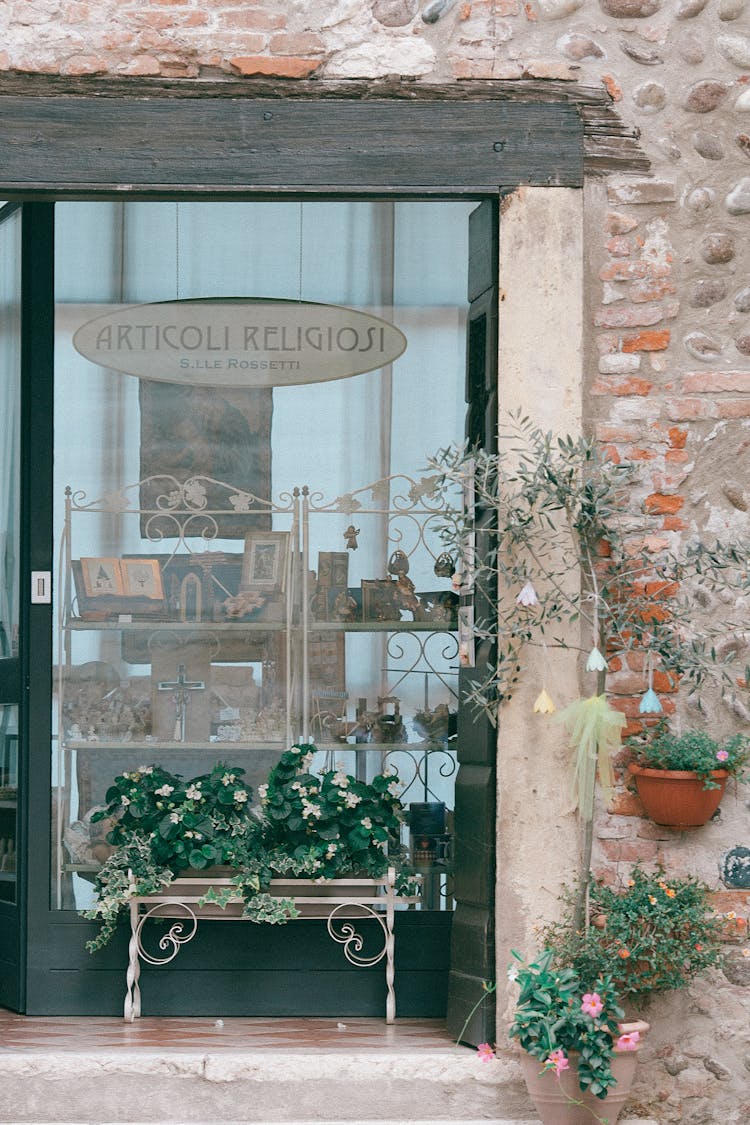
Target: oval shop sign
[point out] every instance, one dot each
(233, 342)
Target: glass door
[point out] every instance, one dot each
(10, 680)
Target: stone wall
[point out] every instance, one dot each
(666, 310)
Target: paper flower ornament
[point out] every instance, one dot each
(596, 662)
(527, 595)
(544, 705)
(650, 703)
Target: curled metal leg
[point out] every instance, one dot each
(350, 939)
(173, 939)
(347, 935)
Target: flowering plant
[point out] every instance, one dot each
(192, 823)
(652, 935)
(696, 751)
(559, 1011)
(339, 823)
(313, 826)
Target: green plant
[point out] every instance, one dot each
(696, 751)
(654, 934)
(314, 826)
(332, 821)
(194, 823)
(560, 1011)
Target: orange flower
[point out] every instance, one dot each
(698, 946)
(631, 882)
(669, 892)
(624, 953)
(652, 900)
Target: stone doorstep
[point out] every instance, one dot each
(223, 1087)
(245, 1087)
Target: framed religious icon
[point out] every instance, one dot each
(264, 562)
(101, 577)
(141, 578)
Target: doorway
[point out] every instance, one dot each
(159, 554)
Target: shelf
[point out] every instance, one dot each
(79, 625)
(168, 744)
(8, 805)
(7, 876)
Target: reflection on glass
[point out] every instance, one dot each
(8, 801)
(245, 567)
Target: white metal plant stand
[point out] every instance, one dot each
(342, 902)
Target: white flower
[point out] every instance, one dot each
(379, 844)
(228, 779)
(311, 809)
(332, 849)
(302, 790)
(394, 788)
(175, 818)
(125, 801)
(262, 792)
(188, 834)
(193, 793)
(305, 760)
(512, 973)
(351, 800)
(596, 662)
(164, 790)
(240, 795)
(295, 785)
(341, 780)
(366, 822)
(145, 770)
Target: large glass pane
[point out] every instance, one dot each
(10, 410)
(244, 566)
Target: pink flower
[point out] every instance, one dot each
(558, 1060)
(628, 1041)
(592, 1004)
(485, 1052)
(722, 755)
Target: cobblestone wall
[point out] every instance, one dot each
(668, 309)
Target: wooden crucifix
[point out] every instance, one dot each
(181, 688)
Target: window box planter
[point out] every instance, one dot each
(338, 901)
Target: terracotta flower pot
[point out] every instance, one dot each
(676, 798)
(560, 1101)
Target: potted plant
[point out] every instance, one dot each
(322, 827)
(681, 778)
(579, 1056)
(654, 934)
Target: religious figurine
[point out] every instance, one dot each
(444, 565)
(398, 563)
(350, 535)
(345, 607)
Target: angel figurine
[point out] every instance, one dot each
(350, 535)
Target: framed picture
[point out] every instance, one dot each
(379, 600)
(106, 588)
(102, 578)
(264, 562)
(141, 578)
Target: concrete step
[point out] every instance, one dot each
(230, 1087)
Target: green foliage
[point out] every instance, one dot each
(550, 1016)
(332, 822)
(552, 512)
(653, 935)
(310, 826)
(195, 823)
(695, 750)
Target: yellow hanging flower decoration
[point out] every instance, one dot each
(544, 705)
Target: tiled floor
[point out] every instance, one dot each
(92, 1034)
